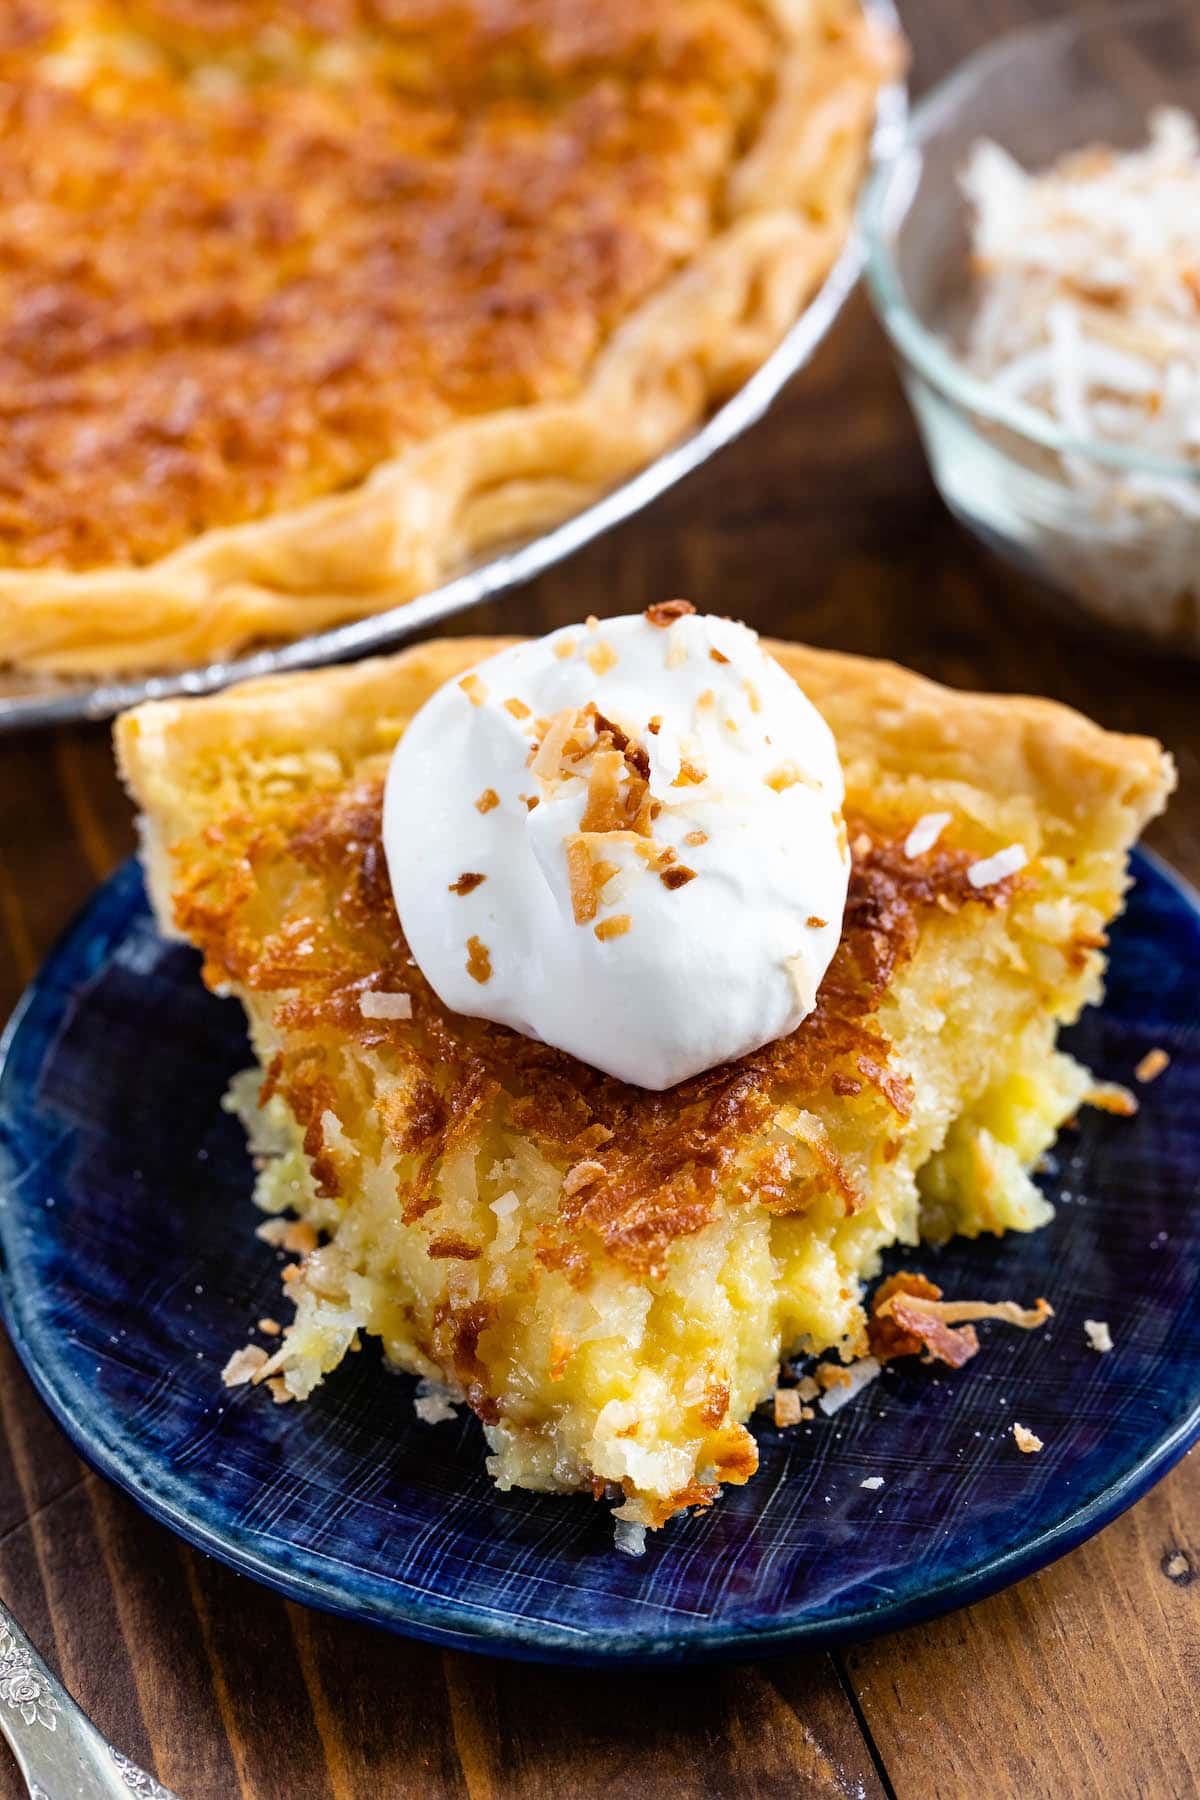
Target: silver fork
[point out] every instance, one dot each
(58, 1750)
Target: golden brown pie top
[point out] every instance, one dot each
(250, 248)
(296, 903)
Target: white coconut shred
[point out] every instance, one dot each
(1087, 310)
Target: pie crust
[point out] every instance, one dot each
(896, 732)
(783, 217)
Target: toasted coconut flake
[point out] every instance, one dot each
(641, 808)
(999, 867)
(808, 1388)
(1152, 1065)
(787, 1407)
(616, 926)
(487, 801)
(604, 810)
(690, 774)
(677, 877)
(517, 708)
(694, 839)
(601, 657)
(909, 1317)
(467, 882)
(300, 1237)
(279, 1390)
(243, 1365)
(815, 923)
(788, 774)
(579, 880)
(603, 726)
(939, 1342)
(583, 1175)
(1111, 1097)
(1028, 1442)
(565, 647)
(547, 758)
(1008, 1312)
(385, 1006)
(596, 841)
(270, 1327)
(272, 1231)
(717, 656)
(655, 725)
(1097, 1334)
(479, 961)
(449, 1246)
(925, 833)
(277, 1358)
(474, 689)
(665, 612)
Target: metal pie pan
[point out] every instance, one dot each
(32, 700)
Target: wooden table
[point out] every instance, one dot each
(1080, 1681)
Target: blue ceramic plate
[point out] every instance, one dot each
(130, 1269)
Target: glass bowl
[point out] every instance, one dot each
(1115, 532)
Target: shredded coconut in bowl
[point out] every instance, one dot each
(1088, 311)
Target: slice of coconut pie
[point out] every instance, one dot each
(610, 1275)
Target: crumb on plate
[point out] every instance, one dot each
(787, 1407)
(1097, 1333)
(243, 1365)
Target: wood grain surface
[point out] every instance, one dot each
(1081, 1681)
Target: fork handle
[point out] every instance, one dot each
(58, 1750)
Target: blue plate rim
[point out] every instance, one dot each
(441, 1620)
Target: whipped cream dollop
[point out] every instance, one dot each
(625, 840)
